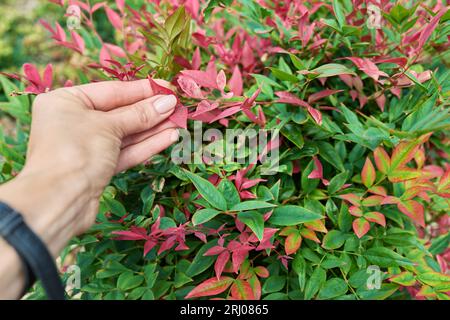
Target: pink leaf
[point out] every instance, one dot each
(190, 87)
(428, 30)
(321, 94)
(31, 73)
(380, 100)
(368, 67)
(196, 59)
(149, 245)
(179, 117)
(214, 251)
(202, 78)
(316, 114)
(235, 82)
(114, 18)
(221, 80)
(48, 76)
(78, 41)
(289, 98)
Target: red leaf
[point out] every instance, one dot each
(380, 100)
(382, 160)
(317, 173)
(241, 290)
(316, 114)
(368, 174)
(378, 190)
(361, 226)
(256, 286)
(376, 217)
(226, 113)
(405, 151)
(372, 201)
(321, 94)
(210, 287)
(414, 210)
(355, 211)
(352, 198)
(309, 234)
(316, 225)
(292, 243)
(149, 245)
(221, 261)
(214, 251)
(404, 174)
(262, 272)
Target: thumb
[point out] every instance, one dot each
(142, 115)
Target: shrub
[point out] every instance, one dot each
(359, 96)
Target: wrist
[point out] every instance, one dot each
(51, 202)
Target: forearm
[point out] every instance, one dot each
(50, 203)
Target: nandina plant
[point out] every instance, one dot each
(357, 206)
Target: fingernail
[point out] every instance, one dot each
(165, 104)
(174, 136)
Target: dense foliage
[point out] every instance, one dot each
(360, 100)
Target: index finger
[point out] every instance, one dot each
(109, 95)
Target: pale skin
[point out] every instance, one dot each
(80, 137)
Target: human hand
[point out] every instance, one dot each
(80, 136)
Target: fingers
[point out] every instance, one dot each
(141, 136)
(109, 95)
(142, 115)
(138, 153)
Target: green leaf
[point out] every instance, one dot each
(329, 153)
(274, 284)
(229, 192)
(299, 267)
(313, 285)
(254, 220)
(337, 182)
(334, 239)
(283, 76)
(252, 205)
(331, 69)
(114, 206)
(176, 22)
(333, 288)
(293, 133)
(128, 280)
(339, 12)
(291, 215)
(208, 191)
(200, 262)
(440, 244)
(384, 257)
(204, 215)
